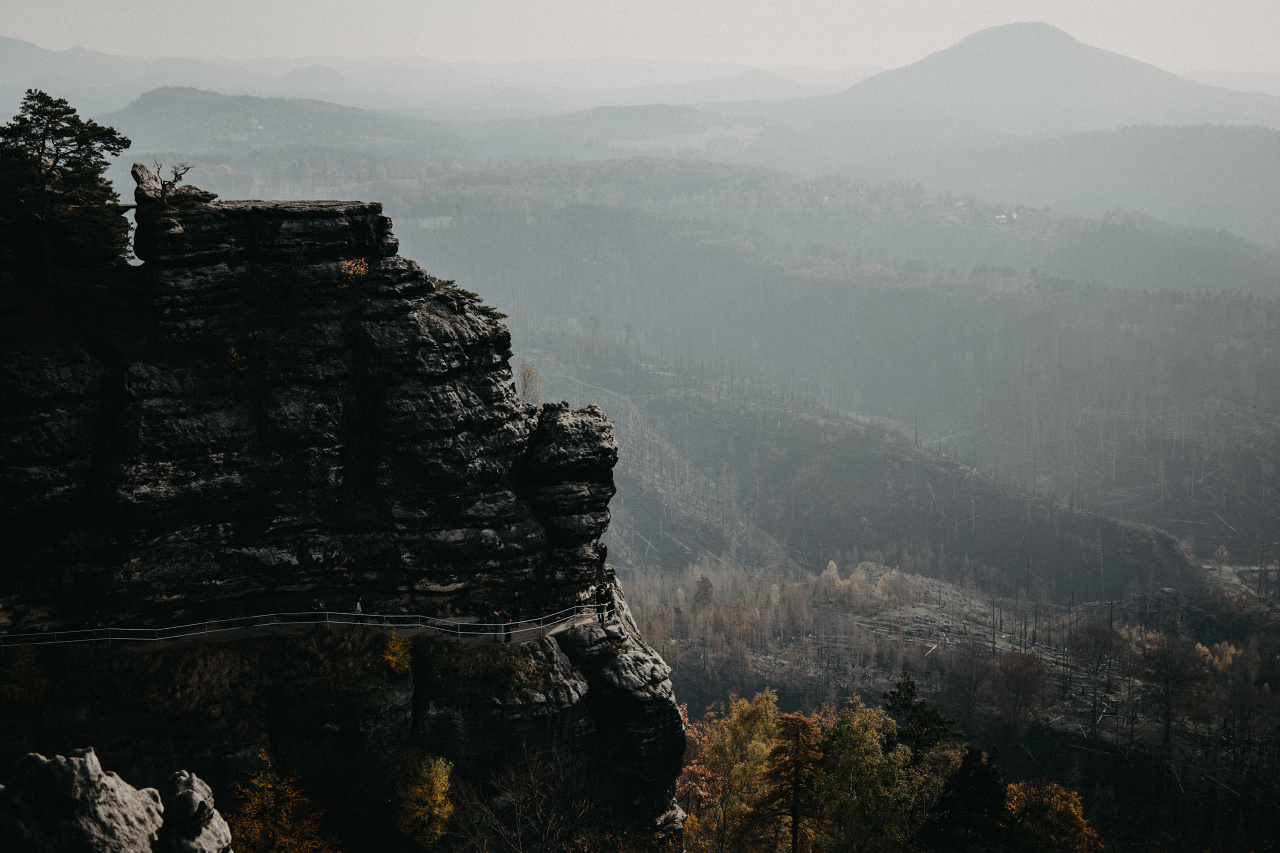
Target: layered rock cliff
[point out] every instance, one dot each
(298, 412)
(276, 407)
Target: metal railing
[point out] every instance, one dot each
(516, 631)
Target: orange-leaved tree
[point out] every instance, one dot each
(272, 814)
(1050, 818)
(424, 806)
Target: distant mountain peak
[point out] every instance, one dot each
(1019, 32)
(1016, 82)
(1025, 46)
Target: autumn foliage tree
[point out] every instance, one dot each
(272, 814)
(424, 807)
(1050, 818)
(726, 775)
(530, 384)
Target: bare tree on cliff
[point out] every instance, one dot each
(176, 174)
(53, 188)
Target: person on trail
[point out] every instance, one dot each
(359, 605)
(315, 604)
(514, 610)
(505, 618)
(494, 618)
(602, 601)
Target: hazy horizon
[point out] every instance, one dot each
(1184, 36)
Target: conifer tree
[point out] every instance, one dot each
(53, 189)
(923, 725)
(792, 773)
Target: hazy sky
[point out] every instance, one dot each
(1179, 35)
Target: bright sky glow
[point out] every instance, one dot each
(1179, 35)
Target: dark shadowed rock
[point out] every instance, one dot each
(191, 823)
(298, 411)
(640, 733)
(276, 407)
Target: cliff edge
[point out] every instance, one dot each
(273, 408)
(296, 412)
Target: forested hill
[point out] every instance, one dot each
(713, 460)
(198, 122)
(1207, 176)
(833, 219)
(1155, 406)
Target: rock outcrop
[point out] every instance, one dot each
(298, 412)
(277, 407)
(630, 703)
(191, 823)
(70, 804)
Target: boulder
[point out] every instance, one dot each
(191, 823)
(51, 805)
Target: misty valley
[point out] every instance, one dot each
(742, 461)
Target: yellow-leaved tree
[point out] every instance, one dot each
(727, 773)
(272, 815)
(424, 807)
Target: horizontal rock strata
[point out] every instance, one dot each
(276, 408)
(301, 413)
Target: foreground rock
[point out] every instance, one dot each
(191, 823)
(70, 804)
(632, 704)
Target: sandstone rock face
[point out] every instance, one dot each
(276, 407)
(481, 729)
(639, 729)
(300, 412)
(70, 804)
(191, 823)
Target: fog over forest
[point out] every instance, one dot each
(966, 368)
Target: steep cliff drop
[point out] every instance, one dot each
(279, 408)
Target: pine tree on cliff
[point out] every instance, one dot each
(55, 200)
